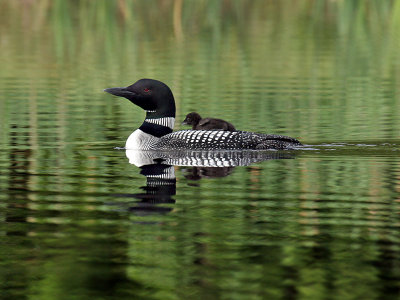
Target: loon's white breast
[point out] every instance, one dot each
(139, 140)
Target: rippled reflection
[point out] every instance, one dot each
(77, 221)
(158, 167)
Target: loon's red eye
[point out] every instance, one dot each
(146, 90)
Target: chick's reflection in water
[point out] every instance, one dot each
(197, 173)
(158, 167)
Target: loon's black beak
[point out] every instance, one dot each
(120, 91)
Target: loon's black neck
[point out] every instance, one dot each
(168, 112)
(158, 124)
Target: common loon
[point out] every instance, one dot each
(198, 123)
(155, 133)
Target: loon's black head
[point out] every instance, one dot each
(152, 95)
(192, 119)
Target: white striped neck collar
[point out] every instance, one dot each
(166, 121)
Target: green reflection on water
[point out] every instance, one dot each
(322, 225)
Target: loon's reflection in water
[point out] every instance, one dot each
(159, 189)
(158, 167)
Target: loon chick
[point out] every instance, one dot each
(156, 98)
(198, 123)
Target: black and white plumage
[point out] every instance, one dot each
(156, 133)
(224, 140)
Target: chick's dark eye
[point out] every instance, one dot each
(146, 90)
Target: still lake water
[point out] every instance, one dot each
(77, 221)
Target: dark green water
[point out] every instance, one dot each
(76, 219)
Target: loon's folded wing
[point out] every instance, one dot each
(223, 140)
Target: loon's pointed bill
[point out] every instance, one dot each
(120, 91)
(156, 98)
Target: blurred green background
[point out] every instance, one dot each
(318, 70)
(322, 226)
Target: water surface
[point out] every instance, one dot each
(79, 222)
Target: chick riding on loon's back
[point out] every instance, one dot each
(155, 133)
(198, 123)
